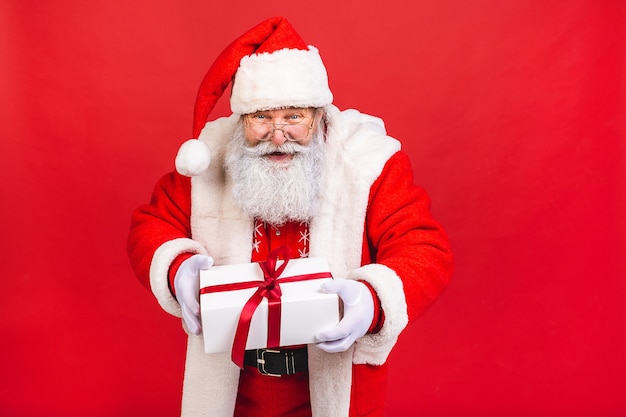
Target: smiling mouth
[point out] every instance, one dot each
(279, 156)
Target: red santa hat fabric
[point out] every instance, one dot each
(270, 67)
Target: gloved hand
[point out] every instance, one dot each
(358, 313)
(187, 287)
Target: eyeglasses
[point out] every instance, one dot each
(295, 129)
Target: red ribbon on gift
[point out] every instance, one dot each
(268, 288)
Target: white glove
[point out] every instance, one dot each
(187, 287)
(358, 313)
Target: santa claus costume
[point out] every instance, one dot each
(373, 224)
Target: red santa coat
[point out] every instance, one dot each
(373, 225)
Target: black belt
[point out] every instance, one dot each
(278, 362)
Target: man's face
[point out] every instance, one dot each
(276, 179)
(297, 125)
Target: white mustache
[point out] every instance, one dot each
(266, 148)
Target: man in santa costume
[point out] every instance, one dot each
(289, 168)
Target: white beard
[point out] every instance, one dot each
(276, 192)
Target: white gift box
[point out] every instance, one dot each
(305, 308)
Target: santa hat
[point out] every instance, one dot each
(270, 67)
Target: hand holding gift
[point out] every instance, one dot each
(187, 287)
(358, 313)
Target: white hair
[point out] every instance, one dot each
(276, 192)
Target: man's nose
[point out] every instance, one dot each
(278, 136)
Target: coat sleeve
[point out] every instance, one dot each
(160, 233)
(406, 256)
(403, 235)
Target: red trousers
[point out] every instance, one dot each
(271, 396)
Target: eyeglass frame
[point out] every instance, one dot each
(268, 137)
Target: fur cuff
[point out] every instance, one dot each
(374, 349)
(160, 266)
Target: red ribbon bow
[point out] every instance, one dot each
(268, 288)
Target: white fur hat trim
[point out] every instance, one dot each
(284, 78)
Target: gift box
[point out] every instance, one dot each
(266, 304)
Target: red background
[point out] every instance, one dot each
(512, 112)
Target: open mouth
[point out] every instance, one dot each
(279, 156)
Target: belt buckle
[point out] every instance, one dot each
(260, 361)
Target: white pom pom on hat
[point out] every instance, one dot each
(270, 67)
(193, 158)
